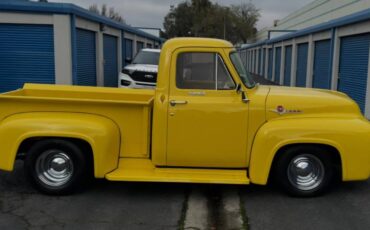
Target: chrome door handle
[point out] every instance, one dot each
(173, 103)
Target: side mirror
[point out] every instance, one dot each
(239, 90)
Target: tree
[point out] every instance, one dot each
(246, 17)
(109, 13)
(202, 18)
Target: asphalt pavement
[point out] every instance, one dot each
(345, 206)
(104, 205)
(121, 205)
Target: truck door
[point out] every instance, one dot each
(207, 120)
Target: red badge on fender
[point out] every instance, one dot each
(280, 109)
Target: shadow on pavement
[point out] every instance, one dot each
(345, 206)
(104, 205)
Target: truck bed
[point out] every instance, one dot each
(83, 93)
(129, 109)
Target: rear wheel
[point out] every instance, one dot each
(56, 166)
(304, 170)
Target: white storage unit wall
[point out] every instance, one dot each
(333, 55)
(62, 44)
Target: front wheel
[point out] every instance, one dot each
(55, 166)
(304, 171)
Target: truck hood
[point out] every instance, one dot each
(142, 68)
(288, 101)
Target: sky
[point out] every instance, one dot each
(150, 13)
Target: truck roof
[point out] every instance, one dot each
(175, 43)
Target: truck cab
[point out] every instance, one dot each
(205, 122)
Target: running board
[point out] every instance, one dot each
(143, 170)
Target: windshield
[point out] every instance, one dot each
(146, 58)
(244, 75)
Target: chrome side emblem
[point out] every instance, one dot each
(281, 110)
(149, 76)
(197, 93)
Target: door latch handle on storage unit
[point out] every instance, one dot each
(173, 103)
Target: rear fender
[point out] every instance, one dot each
(101, 133)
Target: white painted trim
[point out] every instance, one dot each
(251, 61)
(129, 36)
(266, 62)
(134, 46)
(322, 36)
(288, 42)
(273, 63)
(119, 53)
(25, 18)
(87, 25)
(336, 60)
(97, 58)
(100, 60)
(282, 63)
(262, 62)
(293, 74)
(300, 40)
(248, 61)
(62, 49)
(367, 99)
(358, 28)
(257, 61)
(111, 31)
(310, 62)
(279, 44)
(141, 39)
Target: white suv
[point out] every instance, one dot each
(142, 72)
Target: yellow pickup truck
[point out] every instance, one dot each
(206, 122)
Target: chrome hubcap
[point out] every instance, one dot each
(306, 172)
(54, 168)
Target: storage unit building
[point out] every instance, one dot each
(86, 57)
(63, 44)
(26, 54)
(277, 64)
(321, 72)
(302, 58)
(333, 55)
(287, 66)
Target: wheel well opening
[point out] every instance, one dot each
(82, 144)
(334, 155)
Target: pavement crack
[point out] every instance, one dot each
(181, 222)
(214, 200)
(243, 212)
(215, 207)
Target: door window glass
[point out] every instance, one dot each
(202, 71)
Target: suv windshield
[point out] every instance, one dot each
(244, 75)
(146, 58)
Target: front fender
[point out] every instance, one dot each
(101, 133)
(350, 136)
